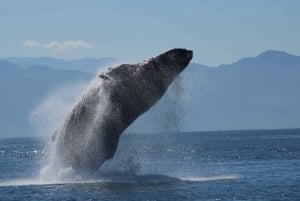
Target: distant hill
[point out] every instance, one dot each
(88, 65)
(253, 93)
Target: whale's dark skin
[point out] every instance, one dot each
(87, 139)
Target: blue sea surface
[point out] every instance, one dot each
(223, 165)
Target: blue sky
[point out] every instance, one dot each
(218, 31)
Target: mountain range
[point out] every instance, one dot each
(253, 93)
(88, 65)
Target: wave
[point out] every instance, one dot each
(211, 178)
(120, 178)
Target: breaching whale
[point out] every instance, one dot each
(90, 134)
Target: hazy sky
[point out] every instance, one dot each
(218, 31)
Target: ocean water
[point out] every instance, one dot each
(223, 165)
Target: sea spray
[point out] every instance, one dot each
(174, 112)
(54, 169)
(167, 115)
(162, 121)
(46, 118)
(50, 113)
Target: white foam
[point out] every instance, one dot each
(211, 178)
(118, 178)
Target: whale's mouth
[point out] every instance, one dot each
(179, 57)
(190, 54)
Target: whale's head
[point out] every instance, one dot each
(150, 78)
(160, 70)
(176, 58)
(165, 66)
(170, 64)
(141, 85)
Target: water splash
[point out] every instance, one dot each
(49, 114)
(54, 170)
(167, 116)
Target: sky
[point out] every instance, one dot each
(218, 31)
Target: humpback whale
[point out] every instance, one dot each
(90, 134)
